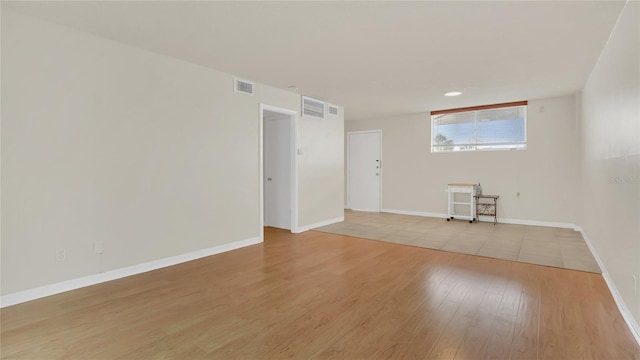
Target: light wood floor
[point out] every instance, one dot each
(564, 248)
(318, 295)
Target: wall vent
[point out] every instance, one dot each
(243, 86)
(333, 110)
(312, 108)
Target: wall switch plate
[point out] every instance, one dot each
(61, 254)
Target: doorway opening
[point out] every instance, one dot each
(278, 169)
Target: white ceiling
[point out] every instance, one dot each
(374, 58)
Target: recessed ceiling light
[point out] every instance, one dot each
(453, 93)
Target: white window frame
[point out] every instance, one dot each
(476, 109)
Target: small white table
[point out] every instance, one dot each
(462, 201)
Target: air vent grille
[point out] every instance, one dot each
(312, 107)
(243, 86)
(333, 110)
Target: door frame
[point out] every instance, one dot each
(349, 133)
(293, 128)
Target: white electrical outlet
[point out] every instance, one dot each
(98, 247)
(61, 254)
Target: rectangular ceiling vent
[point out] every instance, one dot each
(333, 110)
(312, 108)
(243, 86)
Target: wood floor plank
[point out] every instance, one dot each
(503, 328)
(552, 309)
(395, 307)
(319, 295)
(453, 334)
(525, 335)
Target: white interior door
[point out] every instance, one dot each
(277, 170)
(365, 170)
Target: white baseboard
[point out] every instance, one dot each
(500, 220)
(52, 289)
(319, 224)
(415, 213)
(633, 325)
(537, 223)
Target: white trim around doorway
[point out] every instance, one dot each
(294, 165)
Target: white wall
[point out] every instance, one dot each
(322, 169)
(545, 174)
(151, 155)
(611, 157)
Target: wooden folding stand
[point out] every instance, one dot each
(487, 205)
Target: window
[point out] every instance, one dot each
(489, 127)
